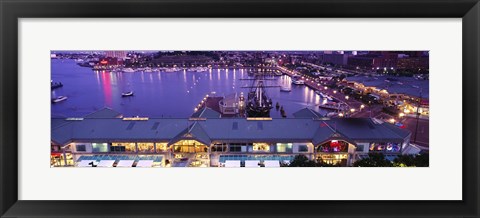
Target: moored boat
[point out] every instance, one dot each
(59, 99)
(55, 85)
(298, 82)
(127, 94)
(128, 70)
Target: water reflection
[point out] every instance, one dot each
(164, 94)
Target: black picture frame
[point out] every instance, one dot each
(11, 11)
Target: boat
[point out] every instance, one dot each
(172, 70)
(128, 70)
(55, 85)
(325, 96)
(147, 70)
(127, 94)
(285, 89)
(59, 99)
(333, 106)
(298, 82)
(201, 69)
(258, 103)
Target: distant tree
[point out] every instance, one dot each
(404, 161)
(373, 160)
(421, 160)
(302, 161)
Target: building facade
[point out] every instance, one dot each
(212, 142)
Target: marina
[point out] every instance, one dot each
(90, 90)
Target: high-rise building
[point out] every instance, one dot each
(116, 54)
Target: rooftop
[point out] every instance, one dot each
(104, 113)
(307, 113)
(224, 129)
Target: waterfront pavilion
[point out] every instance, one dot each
(212, 141)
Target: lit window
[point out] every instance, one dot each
(145, 147)
(81, 148)
(99, 147)
(261, 147)
(161, 147)
(124, 147)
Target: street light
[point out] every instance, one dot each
(352, 110)
(362, 106)
(346, 97)
(334, 91)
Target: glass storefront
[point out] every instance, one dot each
(161, 147)
(123, 147)
(146, 147)
(99, 147)
(335, 159)
(285, 147)
(261, 147)
(58, 159)
(219, 147)
(387, 147)
(333, 146)
(189, 146)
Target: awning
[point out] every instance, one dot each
(272, 163)
(252, 163)
(85, 163)
(125, 163)
(106, 163)
(232, 163)
(145, 163)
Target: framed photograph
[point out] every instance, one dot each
(227, 108)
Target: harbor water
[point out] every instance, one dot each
(162, 94)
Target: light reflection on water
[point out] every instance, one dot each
(160, 94)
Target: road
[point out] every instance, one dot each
(374, 111)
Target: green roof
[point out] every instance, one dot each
(104, 113)
(307, 113)
(224, 129)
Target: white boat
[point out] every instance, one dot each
(202, 69)
(127, 94)
(172, 70)
(298, 82)
(324, 95)
(198, 69)
(59, 99)
(128, 70)
(285, 89)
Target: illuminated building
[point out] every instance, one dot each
(203, 141)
